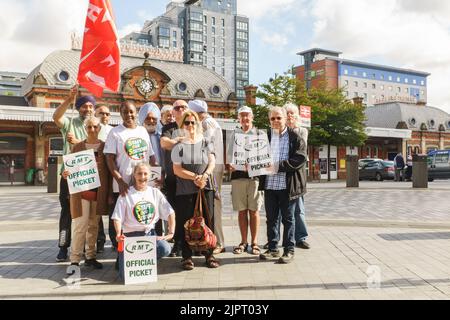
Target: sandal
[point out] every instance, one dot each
(187, 264)
(212, 263)
(241, 248)
(256, 250)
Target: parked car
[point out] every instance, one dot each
(378, 170)
(362, 162)
(438, 165)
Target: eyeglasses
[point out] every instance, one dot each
(276, 118)
(187, 123)
(178, 108)
(104, 114)
(152, 119)
(91, 127)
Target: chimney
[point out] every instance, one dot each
(250, 95)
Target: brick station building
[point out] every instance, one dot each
(28, 135)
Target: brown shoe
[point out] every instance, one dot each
(219, 250)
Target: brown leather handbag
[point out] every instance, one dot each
(197, 234)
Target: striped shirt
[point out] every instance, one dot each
(280, 152)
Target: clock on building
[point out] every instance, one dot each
(145, 86)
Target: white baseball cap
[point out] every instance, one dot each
(245, 109)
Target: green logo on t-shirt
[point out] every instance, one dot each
(136, 148)
(144, 212)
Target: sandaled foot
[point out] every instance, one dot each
(256, 250)
(187, 264)
(241, 248)
(212, 263)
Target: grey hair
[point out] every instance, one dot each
(141, 165)
(93, 120)
(273, 109)
(166, 108)
(290, 107)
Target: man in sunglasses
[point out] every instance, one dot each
(285, 186)
(169, 139)
(102, 112)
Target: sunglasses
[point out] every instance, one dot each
(104, 114)
(178, 108)
(187, 123)
(276, 118)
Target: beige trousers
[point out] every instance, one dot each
(218, 229)
(84, 231)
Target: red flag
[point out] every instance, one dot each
(100, 55)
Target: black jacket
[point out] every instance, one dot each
(295, 166)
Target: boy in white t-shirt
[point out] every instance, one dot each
(137, 212)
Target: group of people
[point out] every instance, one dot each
(188, 145)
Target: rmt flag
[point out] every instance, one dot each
(100, 55)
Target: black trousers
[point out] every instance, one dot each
(101, 237)
(169, 190)
(65, 219)
(185, 206)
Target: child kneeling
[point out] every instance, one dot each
(137, 212)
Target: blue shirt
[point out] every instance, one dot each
(280, 152)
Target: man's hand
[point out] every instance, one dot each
(123, 187)
(65, 174)
(73, 92)
(200, 181)
(71, 138)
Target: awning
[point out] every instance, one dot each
(388, 133)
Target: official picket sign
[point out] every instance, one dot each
(140, 260)
(253, 151)
(155, 175)
(83, 171)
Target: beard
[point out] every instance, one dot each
(150, 128)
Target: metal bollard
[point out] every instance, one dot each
(52, 178)
(352, 171)
(420, 171)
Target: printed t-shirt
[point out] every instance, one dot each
(140, 210)
(131, 146)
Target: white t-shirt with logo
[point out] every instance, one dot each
(140, 210)
(131, 146)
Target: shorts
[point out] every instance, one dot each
(245, 195)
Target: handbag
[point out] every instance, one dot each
(197, 234)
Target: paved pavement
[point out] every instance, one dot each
(344, 261)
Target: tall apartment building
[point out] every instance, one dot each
(374, 83)
(211, 34)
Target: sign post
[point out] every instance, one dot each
(305, 116)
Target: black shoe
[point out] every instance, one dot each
(100, 247)
(266, 246)
(303, 245)
(116, 265)
(62, 255)
(176, 251)
(287, 257)
(93, 263)
(270, 255)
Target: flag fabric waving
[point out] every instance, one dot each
(100, 55)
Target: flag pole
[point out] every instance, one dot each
(73, 107)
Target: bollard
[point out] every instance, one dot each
(420, 171)
(52, 177)
(352, 171)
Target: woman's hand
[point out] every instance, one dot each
(200, 182)
(66, 174)
(120, 238)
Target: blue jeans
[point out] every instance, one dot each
(277, 203)
(301, 233)
(162, 248)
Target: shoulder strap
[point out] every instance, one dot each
(208, 216)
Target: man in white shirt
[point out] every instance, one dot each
(127, 145)
(102, 112)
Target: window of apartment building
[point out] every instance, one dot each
(223, 52)
(163, 32)
(355, 83)
(364, 74)
(242, 64)
(382, 97)
(374, 86)
(197, 16)
(374, 76)
(242, 74)
(213, 30)
(345, 71)
(214, 51)
(414, 81)
(355, 73)
(223, 23)
(422, 83)
(174, 43)
(194, 36)
(196, 46)
(422, 92)
(222, 42)
(241, 93)
(205, 29)
(205, 60)
(382, 77)
(346, 93)
(214, 68)
(213, 21)
(214, 41)
(406, 90)
(242, 25)
(365, 84)
(223, 32)
(242, 55)
(223, 62)
(174, 34)
(399, 89)
(223, 72)
(242, 35)
(195, 26)
(205, 39)
(398, 79)
(243, 45)
(390, 78)
(163, 43)
(346, 83)
(143, 41)
(365, 96)
(214, 61)
(205, 19)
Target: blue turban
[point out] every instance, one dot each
(146, 109)
(83, 100)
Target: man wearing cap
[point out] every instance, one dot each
(169, 139)
(245, 196)
(213, 132)
(72, 132)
